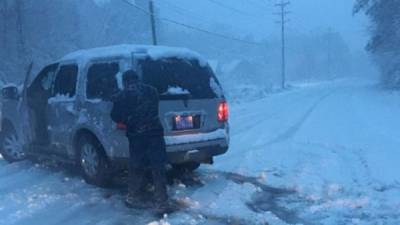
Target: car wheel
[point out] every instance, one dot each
(93, 162)
(186, 167)
(11, 147)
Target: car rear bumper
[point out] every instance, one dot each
(197, 152)
(199, 147)
(186, 149)
(200, 155)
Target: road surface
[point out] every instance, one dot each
(325, 153)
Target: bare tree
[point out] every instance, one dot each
(21, 41)
(4, 13)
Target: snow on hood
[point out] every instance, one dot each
(155, 52)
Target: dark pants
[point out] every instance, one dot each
(148, 152)
(40, 124)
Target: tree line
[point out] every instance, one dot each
(384, 44)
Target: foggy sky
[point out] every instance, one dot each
(257, 17)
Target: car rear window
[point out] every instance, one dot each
(176, 77)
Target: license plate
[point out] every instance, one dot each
(184, 122)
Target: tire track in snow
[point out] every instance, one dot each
(347, 156)
(36, 194)
(216, 184)
(41, 194)
(289, 133)
(357, 188)
(253, 148)
(362, 196)
(268, 200)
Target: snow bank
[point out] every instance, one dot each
(245, 93)
(216, 87)
(163, 221)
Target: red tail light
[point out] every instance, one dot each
(223, 112)
(121, 126)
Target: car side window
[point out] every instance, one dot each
(47, 81)
(102, 81)
(66, 79)
(44, 80)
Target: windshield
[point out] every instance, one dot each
(176, 77)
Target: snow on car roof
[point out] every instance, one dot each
(155, 52)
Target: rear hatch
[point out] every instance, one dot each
(190, 94)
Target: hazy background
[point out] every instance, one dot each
(324, 40)
(257, 17)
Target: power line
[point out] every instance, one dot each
(227, 7)
(210, 32)
(182, 12)
(258, 5)
(223, 5)
(185, 12)
(190, 26)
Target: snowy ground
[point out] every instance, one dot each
(316, 154)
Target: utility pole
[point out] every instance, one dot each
(153, 22)
(282, 14)
(329, 49)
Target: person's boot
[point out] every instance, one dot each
(136, 197)
(137, 202)
(162, 204)
(132, 201)
(164, 207)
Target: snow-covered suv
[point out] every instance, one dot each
(64, 113)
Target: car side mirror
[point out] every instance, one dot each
(10, 93)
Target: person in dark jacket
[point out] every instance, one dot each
(137, 106)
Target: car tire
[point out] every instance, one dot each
(11, 147)
(93, 162)
(186, 167)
